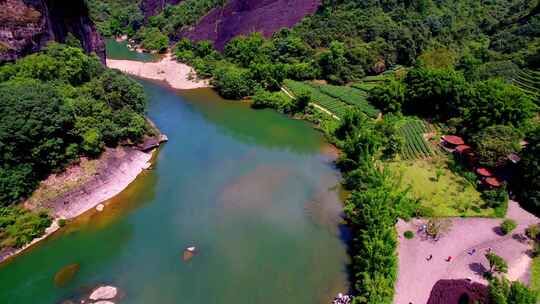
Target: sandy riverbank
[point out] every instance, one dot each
(83, 186)
(177, 75)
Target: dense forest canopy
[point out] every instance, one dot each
(56, 106)
(470, 67)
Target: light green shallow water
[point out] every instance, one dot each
(119, 50)
(251, 189)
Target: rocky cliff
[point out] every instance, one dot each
(27, 25)
(154, 7)
(240, 17)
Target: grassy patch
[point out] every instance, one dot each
(535, 274)
(19, 226)
(439, 189)
(58, 184)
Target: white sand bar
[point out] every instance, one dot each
(177, 75)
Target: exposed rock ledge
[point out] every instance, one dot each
(112, 173)
(85, 185)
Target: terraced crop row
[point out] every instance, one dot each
(415, 145)
(348, 95)
(364, 86)
(334, 105)
(529, 82)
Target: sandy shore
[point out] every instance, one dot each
(176, 74)
(83, 186)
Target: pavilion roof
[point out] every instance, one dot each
(463, 148)
(455, 140)
(493, 181)
(484, 172)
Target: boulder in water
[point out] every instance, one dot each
(66, 274)
(104, 293)
(100, 207)
(189, 252)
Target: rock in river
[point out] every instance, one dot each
(103, 293)
(189, 253)
(66, 274)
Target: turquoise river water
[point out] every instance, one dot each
(254, 191)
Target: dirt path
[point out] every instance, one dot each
(417, 275)
(311, 103)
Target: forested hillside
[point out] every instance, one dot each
(56, 106)
(466, 67)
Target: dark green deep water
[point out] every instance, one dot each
(253, 190)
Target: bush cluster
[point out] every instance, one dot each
(56, 106)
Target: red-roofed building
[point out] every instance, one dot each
(462, 149)
(484, 172)
(453, 140)
(493, 182)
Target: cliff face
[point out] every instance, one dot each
(240, 17)
(27, 25)
(154, 7)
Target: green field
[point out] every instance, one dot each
(447, 195)
(529, 82)
(334, 105)
(350, 96)
(415, 145)
(535, 276)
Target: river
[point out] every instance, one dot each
(254, 191)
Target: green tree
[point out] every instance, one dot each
(334, 64)
(389, 97)
(494, 102)
(435, 92)
(493, 144)
(496, 263)
(508, 225)
(529, 173)
(245, 50)
(502, 291)
(232, 82)
(153, 39)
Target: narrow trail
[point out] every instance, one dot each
(311, 103)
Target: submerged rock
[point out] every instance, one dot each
(66, 274)
(189, 253)
(104, 293)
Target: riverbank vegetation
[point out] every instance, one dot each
(58, 105)
(432, 68)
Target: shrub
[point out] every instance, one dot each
(507, 226)
(19, 226)
(496, 199)
(408, 234)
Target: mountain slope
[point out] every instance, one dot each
(239, 17)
